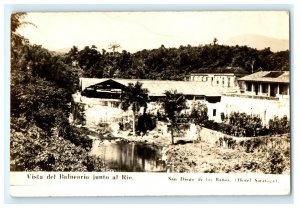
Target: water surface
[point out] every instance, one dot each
(130, 157)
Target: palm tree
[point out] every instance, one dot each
(114, 46)
(215, 41)
(173, 104)
(135, 97)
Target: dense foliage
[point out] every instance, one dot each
(173, 63)
(239, 124)
(243, 125)
(41, 88)
(32, 150)
(279, 125)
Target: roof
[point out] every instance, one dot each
(227, 70)
(268, 76)
(86, 82)
(158, 87)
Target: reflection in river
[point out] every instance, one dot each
(130, 157)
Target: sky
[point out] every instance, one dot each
(135, 31)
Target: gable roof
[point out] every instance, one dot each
(86, 82)
(108, 83)
(268, 76)
(158, 87)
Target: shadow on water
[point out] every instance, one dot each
(130, 157)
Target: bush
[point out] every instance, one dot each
(199, 113)
(226, 141)
(78, 113)
(245, 125)
(240, 125)
(32, 150)
(145, 123)
(279, 125)
(75, 135)
(275, 163)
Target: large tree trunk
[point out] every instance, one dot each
(172, 136)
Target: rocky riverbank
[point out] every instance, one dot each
(205, 157)
(201, 156)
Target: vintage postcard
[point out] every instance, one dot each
(150, 103)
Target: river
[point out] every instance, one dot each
(129, 156)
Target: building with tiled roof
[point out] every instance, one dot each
(101, 98)
(267, 83)
(155, 87)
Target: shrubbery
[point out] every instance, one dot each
(199, 113)
(145, 123)
(279, 125)
(33, 150)
(76, 136)
(243, 125)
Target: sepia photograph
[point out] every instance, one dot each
(197, 92)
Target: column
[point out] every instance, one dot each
(252, 89)
(269, 90)
(260, 89)
(278, 90)
(232, 80)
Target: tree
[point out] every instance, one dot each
(72, 56)
(173, 104)
(199, 113)
(41, 88)
(215, 41)
(114, 46)
(88, 58)
(135, 97)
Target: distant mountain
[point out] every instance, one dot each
(259, 42)
(63, 50)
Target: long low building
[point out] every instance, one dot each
(156, 88)
(267, 83)
(100, 98)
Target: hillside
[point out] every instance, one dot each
(174, 63)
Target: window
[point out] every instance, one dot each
(249, 86)
(264, 88)
(214, 112)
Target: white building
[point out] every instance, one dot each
(264, 93)
(100, 98)
(267, 84)
(223, 79)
